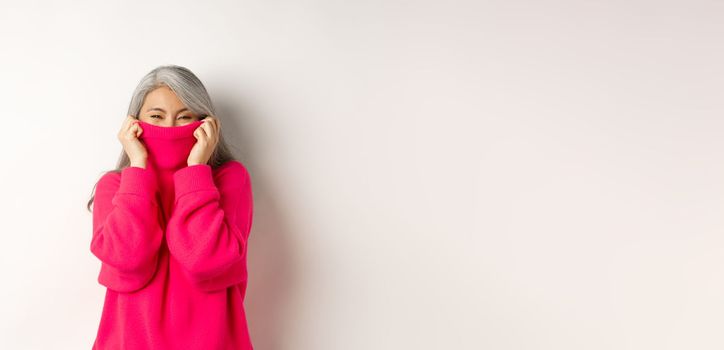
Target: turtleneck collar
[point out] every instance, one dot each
(168, 146)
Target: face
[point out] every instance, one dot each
(163, 108)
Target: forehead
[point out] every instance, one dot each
(162, 96)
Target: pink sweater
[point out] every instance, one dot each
(172, 241)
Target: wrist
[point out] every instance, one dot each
(191, 162)
(139, 163)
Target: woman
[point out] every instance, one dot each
(171, 225)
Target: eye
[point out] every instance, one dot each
(185, 116)
(156, 115)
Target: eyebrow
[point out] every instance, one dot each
(162, 110)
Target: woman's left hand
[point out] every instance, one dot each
(207, 137)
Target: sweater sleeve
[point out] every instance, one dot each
(126, 231)
(209, 226)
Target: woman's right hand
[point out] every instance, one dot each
(128, 135)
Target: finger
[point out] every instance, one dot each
(124, 128)
(139, 129)
(132, 130)
(201, 132)
(215, 126)
(130, 120)
(217, 130)
(208, 126)
(135, 128)
(137, 123)
(126, 123)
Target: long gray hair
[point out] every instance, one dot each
(190, 91)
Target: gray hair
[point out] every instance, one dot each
(181, 80)
(190, 90)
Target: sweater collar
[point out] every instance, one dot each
(168, 147)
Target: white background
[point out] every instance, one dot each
(427, 175)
